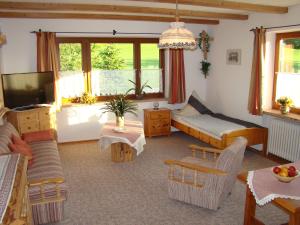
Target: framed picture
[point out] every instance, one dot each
(233, 56)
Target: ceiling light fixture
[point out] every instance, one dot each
(177, 36)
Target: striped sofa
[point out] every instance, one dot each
(47, 188)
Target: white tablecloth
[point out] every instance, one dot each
(133, 135)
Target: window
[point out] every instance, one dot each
(103, 67)
(71, 69)
(287, 68)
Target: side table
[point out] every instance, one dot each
(157, 122)
(292, 207)
(124, 145)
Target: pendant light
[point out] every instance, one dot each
(177, 36)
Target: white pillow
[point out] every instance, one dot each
(188, 110)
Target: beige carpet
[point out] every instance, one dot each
(135, 193)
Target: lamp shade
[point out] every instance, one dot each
(177, 36)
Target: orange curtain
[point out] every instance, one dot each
(177, 76)
(47, 60)
(255, 91)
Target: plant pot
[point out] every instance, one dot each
(284, 109)
(120, 122)
(139, 97)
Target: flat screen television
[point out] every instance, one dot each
(27, 89)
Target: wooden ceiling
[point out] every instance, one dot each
(20, 9)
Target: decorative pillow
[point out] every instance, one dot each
(188, 110)
(45, 135)
(22, 149)
(17, 140)
(199, 106)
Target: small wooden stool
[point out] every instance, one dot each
(121, 152)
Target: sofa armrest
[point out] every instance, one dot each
(40, 183)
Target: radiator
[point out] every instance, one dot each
(284, 139)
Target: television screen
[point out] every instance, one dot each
(23, 89)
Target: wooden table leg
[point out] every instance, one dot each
(295, 219)
(250, 207)
(121, 152)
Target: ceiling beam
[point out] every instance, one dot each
(116, 8)
(48, 15)
(227, 5)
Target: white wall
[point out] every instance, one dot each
(228, 85)
(78, 122)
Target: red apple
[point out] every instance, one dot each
(276, 169)
(292, 168)
(292, 173)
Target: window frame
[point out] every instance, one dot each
(86, 61)
(279, 37)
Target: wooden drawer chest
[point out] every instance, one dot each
(157, 122)
(31, 120)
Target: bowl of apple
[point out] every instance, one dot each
(286, 174)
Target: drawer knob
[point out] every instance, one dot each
(28, 117)
(28, 128)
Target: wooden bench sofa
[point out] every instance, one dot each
(47, 188)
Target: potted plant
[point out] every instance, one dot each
(139, 91)
(285, 104)
(205, 67)
(87, 98)
(119, 105)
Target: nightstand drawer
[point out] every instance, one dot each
(159, 115)
(160, 131)
(157, 124)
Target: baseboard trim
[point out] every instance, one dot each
(270, 156)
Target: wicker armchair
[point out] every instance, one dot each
(206, 181)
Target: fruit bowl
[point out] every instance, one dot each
(285, 174)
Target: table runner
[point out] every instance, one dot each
(133, 135)
(8, 168)
(265, 186)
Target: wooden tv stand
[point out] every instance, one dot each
(33, 119)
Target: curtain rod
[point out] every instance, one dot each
(114, 32)
(267, 28)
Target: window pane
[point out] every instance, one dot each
(71, 75)
(150, 68)
(112, 68)
(289, 56)
(288, 85)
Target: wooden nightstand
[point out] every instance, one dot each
(157, 122)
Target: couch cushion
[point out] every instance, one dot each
(46, 165)
(45, 135)
(17, 140)
(6, 132)
(22, 149)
